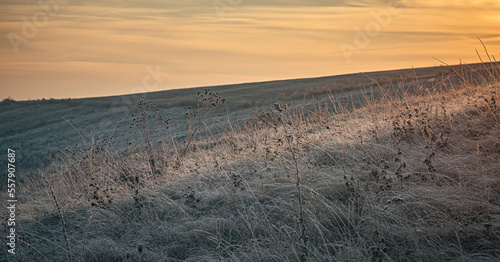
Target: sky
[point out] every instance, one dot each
(75, 49)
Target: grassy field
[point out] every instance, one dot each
(388, 166)
(40, 129)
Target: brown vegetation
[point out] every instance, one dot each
(406, 177)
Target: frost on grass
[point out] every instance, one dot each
(408, 176)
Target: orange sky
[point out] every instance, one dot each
(112, 47)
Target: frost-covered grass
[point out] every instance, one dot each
(407, 176)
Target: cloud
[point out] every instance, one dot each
(97, 48)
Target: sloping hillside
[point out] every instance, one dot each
(407, 172)
(40, 128)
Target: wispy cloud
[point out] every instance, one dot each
(101, 47)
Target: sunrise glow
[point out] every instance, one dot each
(100, 48)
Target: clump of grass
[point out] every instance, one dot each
(61, 216)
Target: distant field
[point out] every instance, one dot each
(38, 129)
